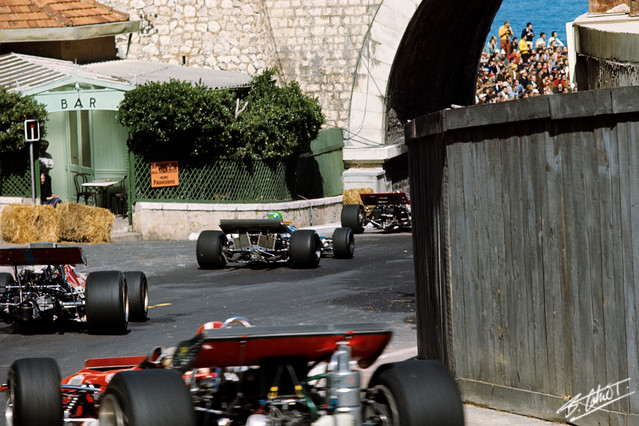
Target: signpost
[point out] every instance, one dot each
(31, 135)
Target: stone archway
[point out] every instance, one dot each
(419, 57)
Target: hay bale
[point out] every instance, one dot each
(85, 224)
(351, 196)
(22, 224)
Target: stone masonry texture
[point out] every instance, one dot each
(314, 42)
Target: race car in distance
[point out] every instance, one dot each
(269, 241)
(45, 288)
(389, 211)
(242, 375)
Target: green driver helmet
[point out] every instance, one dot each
(274, 215)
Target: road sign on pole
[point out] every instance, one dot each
(31, 130)
(31, 135)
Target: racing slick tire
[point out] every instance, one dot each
(353, 216)
(138, 289)
(34, 393)
(343, 243)
(147, 397)
(305, 249)
(210, 250)
(107, 302)
(5, 279)
(414, 393)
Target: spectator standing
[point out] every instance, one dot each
(46, 161)
(505, 33)
(528, 35)
(524, 50)
(490, 46)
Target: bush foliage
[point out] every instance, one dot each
(196, 124)
(14, 109)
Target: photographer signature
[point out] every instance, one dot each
(581, 406)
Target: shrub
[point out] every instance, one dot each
(196, 124)
(176, 121)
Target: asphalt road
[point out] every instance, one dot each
(375, 286)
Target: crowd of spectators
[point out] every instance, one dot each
(516, 68)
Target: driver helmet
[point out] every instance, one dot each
(273, 215)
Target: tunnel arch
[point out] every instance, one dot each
(407, 64)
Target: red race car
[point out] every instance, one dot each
(241, 375)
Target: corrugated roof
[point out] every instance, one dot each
(35, 74)
(31, 14)
(140, 72)
(25, 73)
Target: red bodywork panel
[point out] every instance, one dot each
(226, 347)
(385, 198)
(42, 256)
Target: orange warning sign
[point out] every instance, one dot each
(164, 173)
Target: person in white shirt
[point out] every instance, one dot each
(554, 41)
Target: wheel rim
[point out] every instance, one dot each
(318, 250)
(8, 413)
(383, 409)
(125, 300)
(111, 413)
(146, 300)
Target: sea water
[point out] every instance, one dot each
(545, 15)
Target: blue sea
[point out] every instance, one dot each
(545, 15)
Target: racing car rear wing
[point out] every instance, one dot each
(225, 347)
(385, 198)
(263, 226)
(42, 256)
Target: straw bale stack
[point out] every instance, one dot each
(22, 224)
(351, 196)
(85, 224)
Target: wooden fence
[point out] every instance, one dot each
(526, 236)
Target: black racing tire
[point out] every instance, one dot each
(353, 216)
(305, 249)
(343, 243)
(106, 302)
(415, 393)
(34, 397)
(138, 290)
(147, 397)
(211, 250)
(5, 279)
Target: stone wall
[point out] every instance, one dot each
(183, 221)
(315, 43)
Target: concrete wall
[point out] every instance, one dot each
(607, 51)
(183, 221)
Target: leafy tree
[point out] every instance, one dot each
(177, 121)
(14, 109)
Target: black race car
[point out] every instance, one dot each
(45, 288)
(269, 241)
(389, 211)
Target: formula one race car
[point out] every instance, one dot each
(269, 241)
(256, 376)
(389, 211)
(45, 288)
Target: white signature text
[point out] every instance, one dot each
(581, 406)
